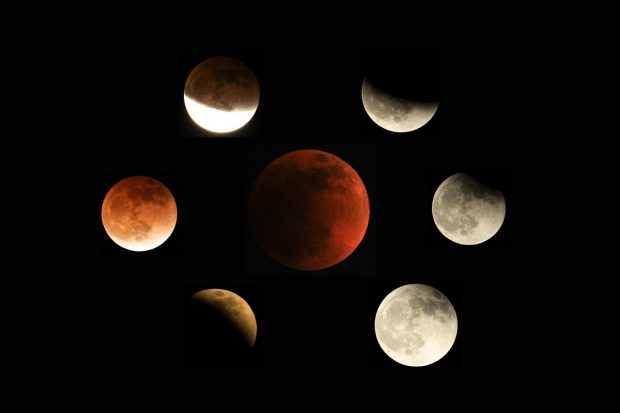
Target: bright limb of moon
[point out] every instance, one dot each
(416, 325)
(215, 120)
(393, 113)
(466, 211)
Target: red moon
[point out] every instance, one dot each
(309, 210)
(139, 213)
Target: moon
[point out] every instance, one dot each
(467, 211)
(221, 94)
(416, 325)
(393, 113)
(309, 210)
(139, 213)
(234, 308)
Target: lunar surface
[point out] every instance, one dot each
(416, 325)
(139, 213)
(467, 211)
(309, 210)
(234, 308)
(221, 94)
(393, 113)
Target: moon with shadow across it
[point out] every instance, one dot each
(393, 113)
(467, 211)
(221, 94)
(139, 213)
(234, 308)
(416, 325)
(309, 210)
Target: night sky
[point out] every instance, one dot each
(320, 321)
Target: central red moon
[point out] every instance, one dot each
(309, 210)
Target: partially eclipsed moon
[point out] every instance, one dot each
(309, 209)
(221, 94)
(234, 308)
(393, 113)
(139, 213)
(416, 325)
(467, 211)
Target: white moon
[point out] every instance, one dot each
(416, 325)
(467, 211)
(393, 113)
(221, 94)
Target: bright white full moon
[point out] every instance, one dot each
(416, 325)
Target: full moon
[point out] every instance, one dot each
(467, 211)
(234, 308)
(393, 113)
(221, 94)
(309, 210)
(139, 213)
(416, 325)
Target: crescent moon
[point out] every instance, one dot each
(234, 308)
(393, 113)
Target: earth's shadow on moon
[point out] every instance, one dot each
(411, 75)
(362, 159)
(106, 180)
(309, 209)
(187, 61)
(208, 337)
(492, 176)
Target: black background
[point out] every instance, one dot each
(310, 98)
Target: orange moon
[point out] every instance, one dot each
(309, 210)
(139, 213)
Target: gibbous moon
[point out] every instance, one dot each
(221, 94)
(467, 211)
(139, 213)
(234, 308)
(309, 210)
(416, 325)
(393, 113)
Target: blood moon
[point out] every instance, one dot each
(309, 210)
(139, 213)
